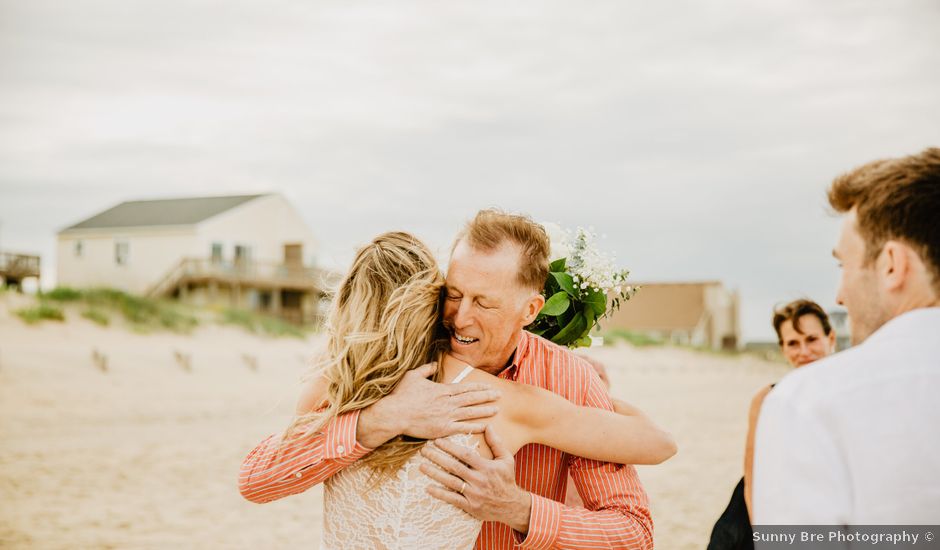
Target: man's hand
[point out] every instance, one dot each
(484, 488)
(421, 408)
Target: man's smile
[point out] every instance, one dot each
(464, 340)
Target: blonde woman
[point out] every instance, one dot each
(384, 326)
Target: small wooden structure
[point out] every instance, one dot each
(16, 267)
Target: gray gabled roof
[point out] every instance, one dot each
(189, 211)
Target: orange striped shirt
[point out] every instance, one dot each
(616, 513)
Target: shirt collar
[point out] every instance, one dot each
(511, 372)
(916, 322)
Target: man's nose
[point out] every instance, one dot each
(804, 349)
(462, 315)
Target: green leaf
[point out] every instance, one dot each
(556, 305)
(566, 283)
(558, 265)
(572, 330)
(583, 342)
(597, 300)
(589, 316)
(551, 286)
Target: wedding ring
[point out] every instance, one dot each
(462, 487)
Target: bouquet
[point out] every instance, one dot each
(582, 288)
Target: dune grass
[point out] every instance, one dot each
(97, 316)
(40, 312)
(143, 313)
(261, 324)
(146, 314)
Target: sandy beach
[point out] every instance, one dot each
(145, 455)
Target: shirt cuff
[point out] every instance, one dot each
(544, 524)
(341, 443)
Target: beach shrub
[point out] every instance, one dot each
(40, 312)
(176, 320)
(97, 317)
(63, 294)
(142, 312)
(262, 324)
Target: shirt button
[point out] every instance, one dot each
(340, 449)
(298, 475)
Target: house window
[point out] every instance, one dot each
(121, 252)
(216, 253)
(242, 254)
(79, 248)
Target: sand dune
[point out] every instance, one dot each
(145, 454)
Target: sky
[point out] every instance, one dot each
(698, 138)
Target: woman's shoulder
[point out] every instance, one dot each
(454, 368)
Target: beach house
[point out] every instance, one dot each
(245, 251)
(702, 314)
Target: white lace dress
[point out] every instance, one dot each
(398, 513)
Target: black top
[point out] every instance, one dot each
(733, 531)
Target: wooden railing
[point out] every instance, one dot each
(18, 266)
(247, 273)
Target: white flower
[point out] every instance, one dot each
(560, 240)
(592, 272)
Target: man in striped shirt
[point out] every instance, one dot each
(519, 498)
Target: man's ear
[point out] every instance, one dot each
(533, 307)
(895, 264)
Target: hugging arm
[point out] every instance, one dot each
(281, 466)
(624, 437)
(616, 512)
(617, 508)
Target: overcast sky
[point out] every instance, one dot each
(699, 137)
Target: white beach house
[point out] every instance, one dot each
(246, 251)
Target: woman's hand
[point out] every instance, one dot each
(421, 408)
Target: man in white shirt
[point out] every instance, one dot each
(854, 439)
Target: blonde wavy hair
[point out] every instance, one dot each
(383, 322)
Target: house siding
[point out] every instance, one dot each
(152, 252)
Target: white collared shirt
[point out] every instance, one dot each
(854, 439)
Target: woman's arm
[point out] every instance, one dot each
(752, 417)
(626, 409)
(541, 416)
(278, 466)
